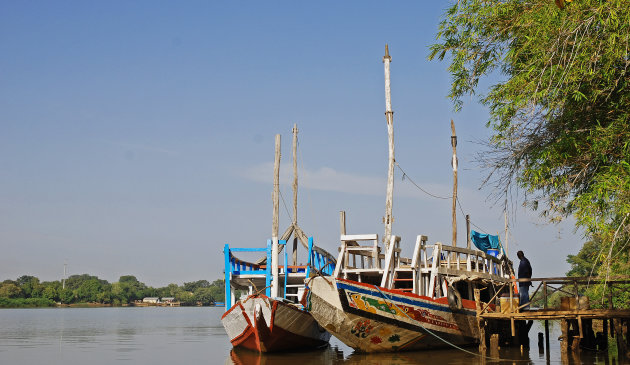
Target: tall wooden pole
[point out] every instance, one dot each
(468, 231)
(389, 114)
(295, 175)
(506, 235)
(295, 191)
(274, 228)
(454, 162)
(342, 222)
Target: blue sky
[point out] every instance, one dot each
(138, 137)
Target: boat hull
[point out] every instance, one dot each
(372, 319)
(262, 324)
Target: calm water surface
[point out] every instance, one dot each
(183, 335)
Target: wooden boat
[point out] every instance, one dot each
(274, 320)
(378, 301)
(264, 323)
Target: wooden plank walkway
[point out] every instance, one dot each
(556, 314)
(575, 316)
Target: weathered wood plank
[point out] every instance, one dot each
(359, 237)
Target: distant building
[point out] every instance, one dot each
(168, 299)
(153, 300)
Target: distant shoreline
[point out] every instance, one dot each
(101, 305)
(89, 291)
(18, 303)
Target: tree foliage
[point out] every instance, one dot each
(559, 104)
(27, 291)
(588, 261)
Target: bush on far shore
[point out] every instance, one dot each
(26, 302)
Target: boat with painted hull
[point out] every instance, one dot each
(378, 301)
(263, 323)
(371, 319)
(425, 302)
(273, 318)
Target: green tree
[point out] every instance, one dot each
(185, 297)
(118, 294)
(130, 288)
(67, 296)
(218, 293)
(75, 281)
(89, 290)
(50, 292)
(588, 261)
(193, 286)
(170, 290)
(204, 295)
(559, 104)
(10, 290)
(31, 288)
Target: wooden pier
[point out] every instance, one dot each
(509, 325)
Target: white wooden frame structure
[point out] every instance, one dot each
(430, 270)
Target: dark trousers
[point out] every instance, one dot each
(523, 292)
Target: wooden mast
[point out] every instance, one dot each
(389, 114)
(506, 234)
(295, 192)
(454, 163)
(274, 228)
(295, 177)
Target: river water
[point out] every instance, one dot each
(185, 335)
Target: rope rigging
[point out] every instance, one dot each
(406, 176)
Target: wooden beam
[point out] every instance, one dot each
(342, 223)
(389, 114)
(295, 175)
(359, 237)
(276, 188)
(274, 227)
(468, 231)
(454, 163)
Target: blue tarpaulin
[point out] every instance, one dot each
(485, 242)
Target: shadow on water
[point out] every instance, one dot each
(333, 355)
(327, 355)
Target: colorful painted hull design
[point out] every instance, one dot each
(371, 319)
(262, 324)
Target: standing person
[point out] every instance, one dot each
(524, 272)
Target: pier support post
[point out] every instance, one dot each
(494, 345)
(481, 323)
(622, 346)
(575, 345)
(547, 335)
(564, 345)
(482, 337)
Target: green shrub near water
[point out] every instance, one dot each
(26, 302)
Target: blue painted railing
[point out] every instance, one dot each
(317, 258)
(234, 266)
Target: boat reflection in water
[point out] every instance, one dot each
(332, 355)
(328, 355)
